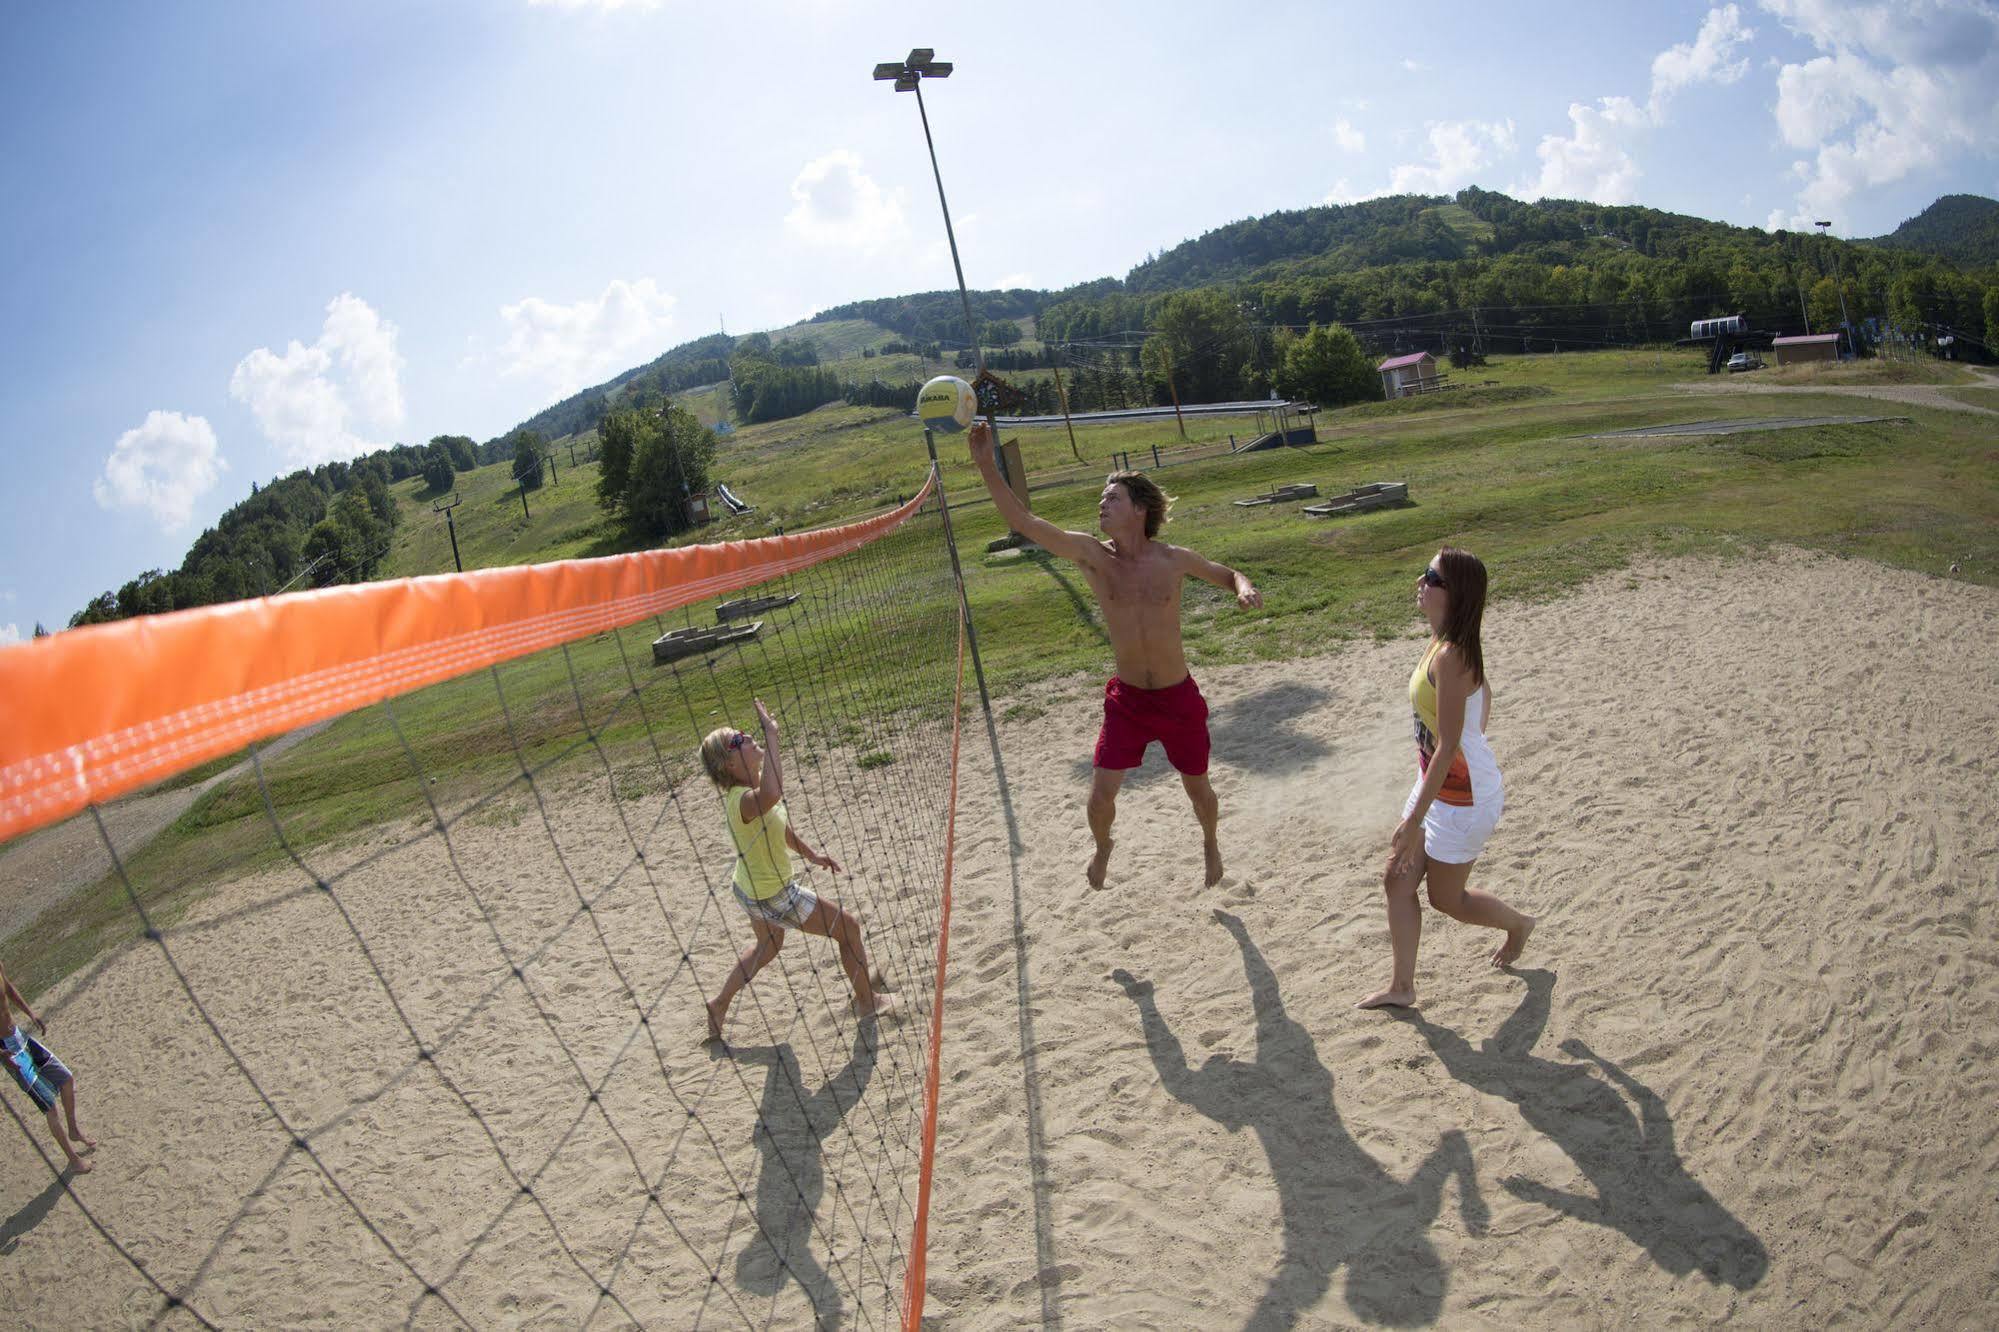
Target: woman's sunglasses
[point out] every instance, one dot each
(737, 741)
(1432, 577)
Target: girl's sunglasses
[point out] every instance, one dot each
(737, 741)
(1432, 577)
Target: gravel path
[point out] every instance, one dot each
(45, 867)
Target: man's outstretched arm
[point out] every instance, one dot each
(1197, 565)
(1071, 545)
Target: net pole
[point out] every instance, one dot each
(957, 571)
(912, 1302)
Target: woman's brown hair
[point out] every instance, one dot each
(1464, 585)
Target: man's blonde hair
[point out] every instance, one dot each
(1147, 495)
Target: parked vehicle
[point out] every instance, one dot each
(1744, 361)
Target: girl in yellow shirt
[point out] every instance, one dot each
(751, 781)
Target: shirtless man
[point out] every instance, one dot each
(1137, 581)
(40, 1074)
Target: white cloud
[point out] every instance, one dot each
(834, 202)
(1899, 86)
(572, 346)
(1414, 66)
(1343, 193)
(1459, 149)
(305, 399)
(1594, 161)
(1710, 58)
(1015, 281)
(163, 466)
(9, 633)
(1348, 137)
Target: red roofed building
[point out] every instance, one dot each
(1402, 376)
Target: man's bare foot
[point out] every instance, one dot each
(85, 1144)
(714, 1025)
(79, 1165)
(1389, 999)
(881, 1006)
(1516, 943)
(1213, 853)
(1099, 863)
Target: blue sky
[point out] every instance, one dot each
(242, 238)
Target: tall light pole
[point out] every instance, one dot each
(1837, 282)
(908, 76)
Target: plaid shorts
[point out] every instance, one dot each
(39, 1073)
(790, 906)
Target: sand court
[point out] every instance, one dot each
(1744, 1071)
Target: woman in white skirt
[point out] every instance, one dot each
(1457, 797)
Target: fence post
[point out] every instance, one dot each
(1155, 457)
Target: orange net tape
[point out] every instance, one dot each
(919, 1239)
(95, 712)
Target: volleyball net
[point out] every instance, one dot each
(402, 1016)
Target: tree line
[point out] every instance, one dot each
(316, 527)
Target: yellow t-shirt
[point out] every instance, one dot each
(763, 861)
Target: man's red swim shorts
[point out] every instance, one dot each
(1177, 717)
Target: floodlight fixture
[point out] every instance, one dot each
(888, 69)
(906, 83)
(919, 58)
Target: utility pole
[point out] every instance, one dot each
(445, 506)
(1838, 283)
(1055, 363)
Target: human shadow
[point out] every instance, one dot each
(1642, 1187)
(791, 1133)
(1394, 1275)
(30, 1213)
(1048, 1273)
(1248, 731)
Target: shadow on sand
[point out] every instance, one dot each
(31, 1212)
(1243, 735)
(792, 1130)
(1642, 1187)
(1339, 1207)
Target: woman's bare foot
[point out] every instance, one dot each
(714, 1025)
(1516, 943)
(1390, 998)
(79, 1165)
(881, 1006)
(85, 1144)
(1099, 863)
(1213, 853)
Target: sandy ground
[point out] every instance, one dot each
(1745, 1071)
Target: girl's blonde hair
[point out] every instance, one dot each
(715, 757)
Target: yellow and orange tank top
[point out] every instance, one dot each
(1461, 782)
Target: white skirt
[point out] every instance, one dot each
(1455, 834)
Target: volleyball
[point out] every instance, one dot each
(947, 403)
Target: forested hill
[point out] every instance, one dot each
(1408, 254)
(1963, 228)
